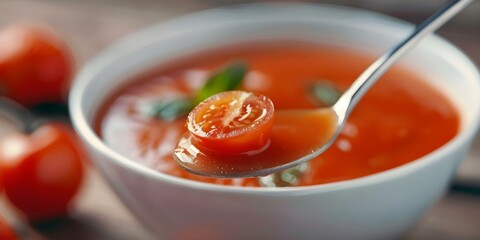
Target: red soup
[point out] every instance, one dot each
(399, 120)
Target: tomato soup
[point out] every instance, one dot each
(399, 120)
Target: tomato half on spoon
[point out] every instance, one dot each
(233, 122)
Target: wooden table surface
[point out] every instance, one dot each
(90, 25)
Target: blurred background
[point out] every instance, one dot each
(88, 26)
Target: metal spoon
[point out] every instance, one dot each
(193, 160)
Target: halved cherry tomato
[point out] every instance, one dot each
(42, 172)
(35, 65)
(6, 233)
(232, 122)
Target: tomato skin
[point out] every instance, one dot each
(6, 233)
(1, 184)
(35, 65)
(239, 136)
(42, 172)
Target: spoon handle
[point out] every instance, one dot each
(366, 80)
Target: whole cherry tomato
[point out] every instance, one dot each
(35, 65)
(6, 233)
(42, 172)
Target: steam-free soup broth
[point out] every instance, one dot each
(399, 120)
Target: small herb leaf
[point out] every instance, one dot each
(326, 92)
(167, 110)
(228, 78)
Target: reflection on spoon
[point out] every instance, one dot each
(286, 178)
(298, 136)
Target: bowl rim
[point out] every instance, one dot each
(123, 47)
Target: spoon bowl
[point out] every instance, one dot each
(287, 141)
(327, 122)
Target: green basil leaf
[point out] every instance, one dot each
(325, 92)
(167, 110)
(228, 78)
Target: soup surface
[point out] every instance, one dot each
(400, 119)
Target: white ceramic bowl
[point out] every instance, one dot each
(380, 206)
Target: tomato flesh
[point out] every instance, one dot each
(232, 122)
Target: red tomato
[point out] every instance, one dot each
(6, 233)
(1, 185)
(35, 65)
(232, 122)
(42, 172)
